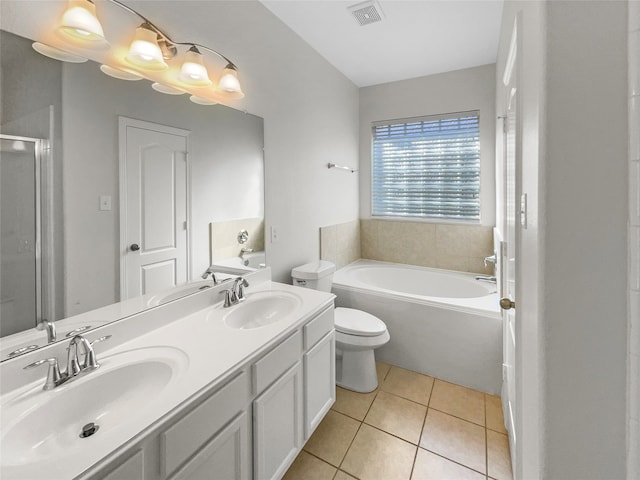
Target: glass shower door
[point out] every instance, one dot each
(20, 271)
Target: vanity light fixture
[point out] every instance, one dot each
(79, 22)
(144, 51)
(193, 70)
(173, 67)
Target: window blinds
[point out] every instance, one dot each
(427, 167)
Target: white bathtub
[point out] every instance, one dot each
(442, 323)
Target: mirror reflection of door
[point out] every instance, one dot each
(20, 287)
(154, 207)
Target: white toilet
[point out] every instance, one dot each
(357, 333)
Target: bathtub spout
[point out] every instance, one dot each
(486, 278)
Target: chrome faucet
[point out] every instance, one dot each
(235, 294)
(50, 329)
(209, 271)
(491, 259)
(244, 250)
(75, 367)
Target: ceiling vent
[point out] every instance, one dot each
(367, 12)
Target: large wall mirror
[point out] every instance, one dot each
(64, 125)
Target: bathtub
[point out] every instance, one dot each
(442, 323)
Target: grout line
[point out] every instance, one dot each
(453, 461)
(459, 418)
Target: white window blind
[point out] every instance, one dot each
(427, 167)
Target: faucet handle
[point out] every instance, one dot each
(90, 360)
(54, 378)
(490, 259)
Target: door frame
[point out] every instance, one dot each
(123, 124)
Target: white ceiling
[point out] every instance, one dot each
(415, 37)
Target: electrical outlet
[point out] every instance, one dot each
(274, 234)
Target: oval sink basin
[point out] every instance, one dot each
(46, 425)
(262, 309)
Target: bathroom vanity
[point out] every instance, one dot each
(186, 390)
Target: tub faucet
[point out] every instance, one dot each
(244, 250)
(50, 329)
(486, 278)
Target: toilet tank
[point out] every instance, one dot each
(317, 275)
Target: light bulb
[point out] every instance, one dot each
(229, 81)
(144, 51)
(79, 22)
(193, 70)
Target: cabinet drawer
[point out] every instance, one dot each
(277, 361)
(318, 328)
(184, 438)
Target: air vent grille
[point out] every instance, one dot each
(367, 12)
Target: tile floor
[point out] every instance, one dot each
(413, 427)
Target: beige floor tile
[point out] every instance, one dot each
(495, 419)
(378, 455)
(397, 416)
(458, 401)
(454, 438)
(429, 466)
(498, 458)
(332, 438)
(382, 369)
(407, 384)
(354, 404)
(308, 467)
(340, 475)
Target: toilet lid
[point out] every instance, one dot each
(357, 322)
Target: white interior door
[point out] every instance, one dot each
(154, 207)
(510, 247)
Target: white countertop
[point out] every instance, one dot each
(208, 352)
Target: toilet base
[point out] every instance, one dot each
(356, 371)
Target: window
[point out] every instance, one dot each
(427, 167)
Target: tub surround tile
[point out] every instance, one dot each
(429, 466)
(378, 455)
(456, 439)
(494, 416)
(340, 243)
(310, 468)
(407, 384)
(355, 405)
(332, 437)
(498, 458)
(397, 416)
(458, 401)
(452, 247)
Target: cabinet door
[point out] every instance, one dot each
(277, 425)
(225, 457)
(320, 382)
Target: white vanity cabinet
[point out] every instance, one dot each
(251, 427)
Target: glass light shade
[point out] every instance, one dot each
(193, 70)
(56, 53)
(202, 100)
(229, 81)
(144, 51)
(120, 74)
(79, 22)
(159, 87)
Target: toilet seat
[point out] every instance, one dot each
(356, 322)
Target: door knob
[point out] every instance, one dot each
(507, 304)
(134, 247)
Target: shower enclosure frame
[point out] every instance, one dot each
(44, 279)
